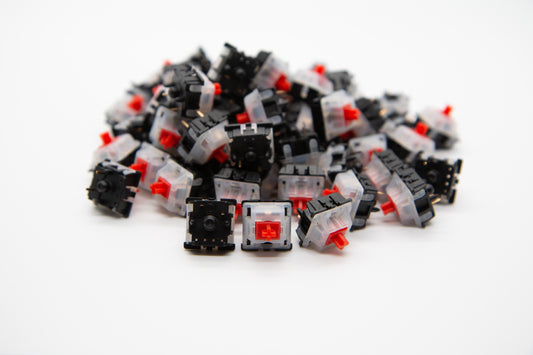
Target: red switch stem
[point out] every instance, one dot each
(388, 207)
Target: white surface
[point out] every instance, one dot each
(75, 281)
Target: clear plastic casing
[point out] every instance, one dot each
(148, 161)
(364, 146)
(118, 149)
(164, 132)
(300, 188)
(236, 190)
(207, 92)
(349, 187)
(133, 103)
(363, 127)
(404, 202)
(311, 158)
(270, 72)
(412, 141)
(172, 187)
(378, 173)
(304, 122)
(266, 225)
(253, 102)
(340, 114)
(326, 224)
(205, 145)
(440, 122)
(396, 103)
(310, 79)
(388, 126)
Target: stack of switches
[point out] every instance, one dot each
(242, 140)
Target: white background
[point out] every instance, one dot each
(74, 280)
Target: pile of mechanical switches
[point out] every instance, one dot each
(243, 140)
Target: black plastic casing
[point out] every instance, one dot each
(342, 80)
(420, 190)
(315, 207)
(179, 79)
(389, 158)
(239, 175)
(251, 146)
(199, 126)
(441, 174)
(297, 145)
(372, 110)
(114, 187)
(235, 73)
(210, 224)
(368, 201)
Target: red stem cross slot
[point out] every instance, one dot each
(267, 230)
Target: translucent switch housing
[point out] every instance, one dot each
(349, 186)
(411, 142)
(378, 173)
(325, 222)
(304, 122)
(253, 102)
(272, 74)
(266, 225)
(172, 187)
(440, 122)
(364, 146)
(360, 190)
(363, 127)
(207, 92)
(148, 161)
(394, 103)
(381, 167)
(118, 149)
(300, 184)
(236, 190)
(406, 204)
(133, 103)
(310, 80)
(206, 144)
(339, 114)
(164, 132)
